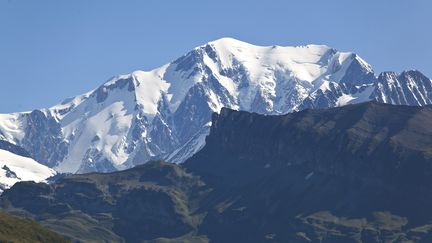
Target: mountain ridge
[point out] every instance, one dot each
(165, 113)
(357, 173)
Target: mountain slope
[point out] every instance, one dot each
(358, 173)
(150, 201)
(15, 166)
(165, 113)
(14, 229)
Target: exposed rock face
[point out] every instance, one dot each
(13, 148)
(359, 173)
(320, 175)
(165, 113)
(43, 138)
(367, 136)
(407, 88)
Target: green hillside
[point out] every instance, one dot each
(15, 229)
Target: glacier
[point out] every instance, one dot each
(166, 113)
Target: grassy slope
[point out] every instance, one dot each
(15, 229)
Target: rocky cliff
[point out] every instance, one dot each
(359, 173)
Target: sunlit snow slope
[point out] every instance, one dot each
(15, 168)
(165, 113)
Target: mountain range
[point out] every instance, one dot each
(357, 173)
(166, 113)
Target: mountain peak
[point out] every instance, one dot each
(166, 112)
(227, 41)
(405, 73)
(232, 42)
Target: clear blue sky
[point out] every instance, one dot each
(51, 50)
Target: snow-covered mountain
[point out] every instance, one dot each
(166, 113)
(15, 166)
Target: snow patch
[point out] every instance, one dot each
(359, 97)
(15, 168)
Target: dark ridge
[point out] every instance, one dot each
(359, 173)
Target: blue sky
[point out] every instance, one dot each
(51, 50)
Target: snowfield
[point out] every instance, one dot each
(166, 113)
(15, 168)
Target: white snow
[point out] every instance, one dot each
(301, 63)
(26, 169)
(109, 121)
(360, 97)
(195, 144)
(11, 127)
(344, 99)
(58, 110)
(149, 87)
(283, 76)
(226, 82)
